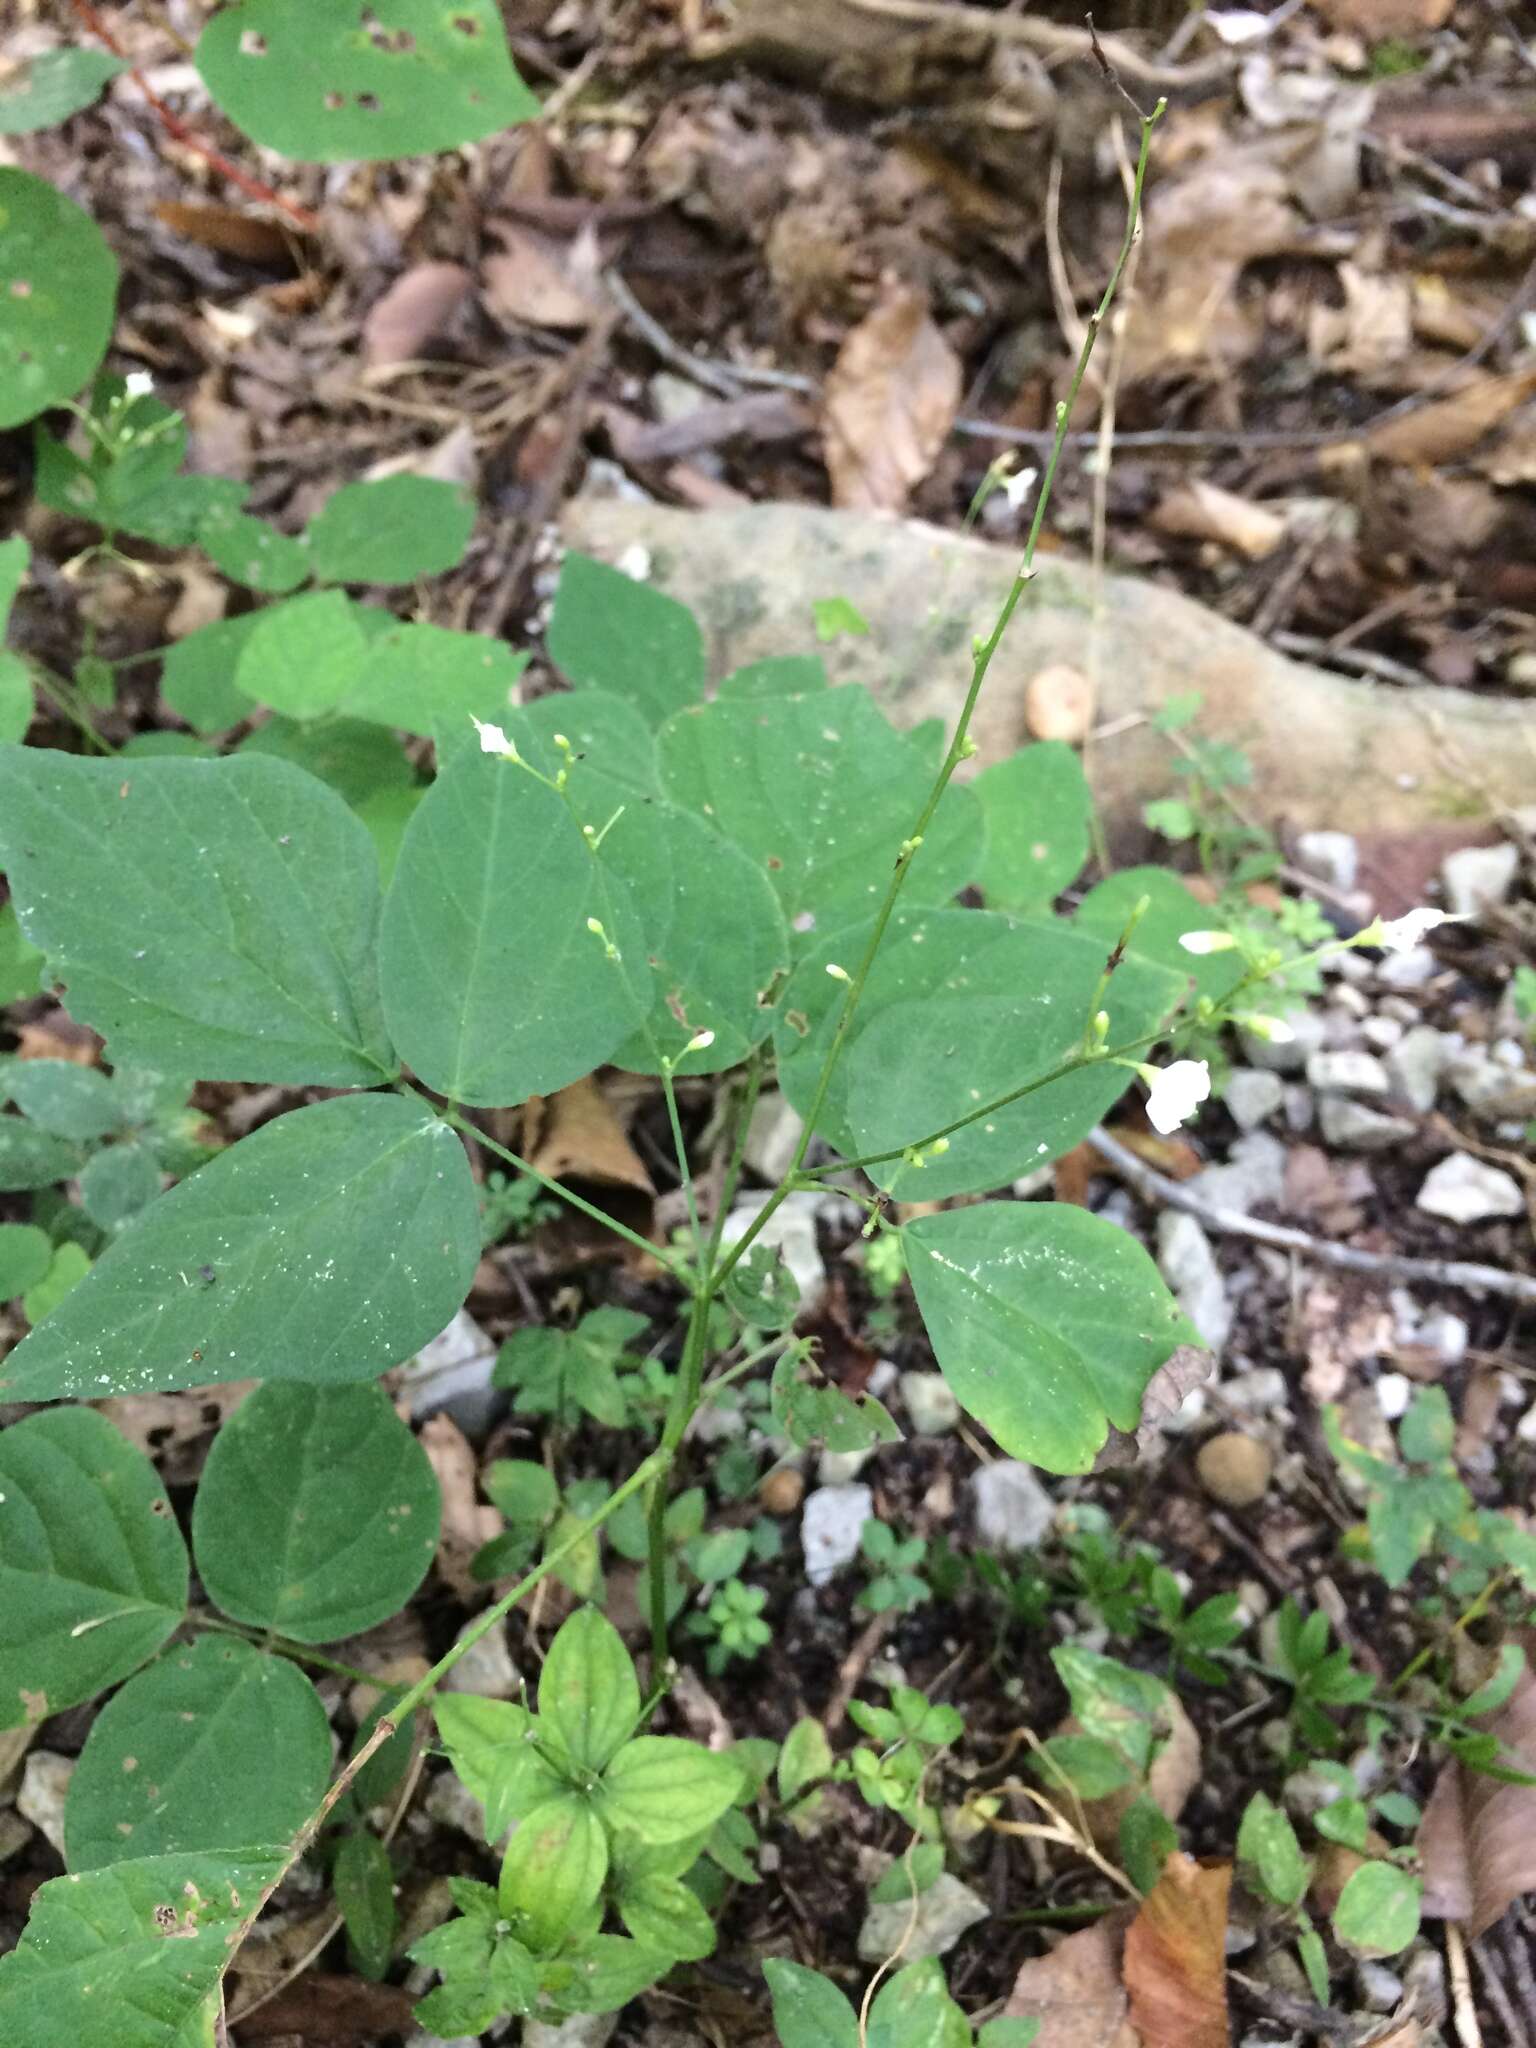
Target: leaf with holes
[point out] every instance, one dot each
(158, 1747)
(146, 1941)
(46, 89)
(1047, 1322)
(93, 1571)
(328, 1246)
(960, 1008)
(512, 962)
(608, 632)
(58, 293)
(821, 791)
(391, 531)
(214, 918)
(1037, 808)
(318, 1512)
(354, 82)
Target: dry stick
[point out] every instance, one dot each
(1461, 1986)
(1156, 1187)
(253, 188)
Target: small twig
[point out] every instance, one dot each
(723, 382)
(1359, 661)
(850, 1674)
(253, 188)
(1461, 1987)
(1156, 1187)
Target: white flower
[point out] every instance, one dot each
(1402, 934)
(635, 563)
(701, 1041)
(140, 383)
(1018, 487)
(492, 739)
(1175, 1093)
(1207, 942)
(1274, 1030)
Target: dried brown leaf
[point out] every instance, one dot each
(1477, 1842)
(577, 1132)
(417, 306)
(1196, 510)
(541, 281)
(467, 1522)
(245, 236)
(1376, 20)
(1075, 1992)
(1451, 427)
(1175, 1957)
(891, 400)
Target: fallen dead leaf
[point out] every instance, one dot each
(1076, 1993)
(417, 306)
(1175, 1157)
(326, 2011)
(1376, 20)
(175, 1430)
(541, 281)
(201, 602)
(56, 1036)
(232, 233)
(1335, 1339)
(467, 1521)
(1200, 511)
(1477, 1841)
(577, 1132)
(1175, 1957)
(453, 460)
(891, 400)
(1370, 335)
(1451, 427)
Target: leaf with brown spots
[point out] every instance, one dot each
(1175, 1957)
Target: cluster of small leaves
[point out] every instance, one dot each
(912, 2009)
(608, 1821)
(1377, 1911)
(897, 1583)
(906, 1738)
(1322, 1679)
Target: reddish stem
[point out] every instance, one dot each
(253, 188)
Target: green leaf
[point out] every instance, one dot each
(30, 1158)
(145, 1942)
(805, 1758)
(142, 1785)
(1037, 807)
(714, 936)
(1147, 1839)
(608, 632)
(119, 1181)
(391, 531)
(71, 1101)
(1267, 1842)
(1047, 1322)
(1401, 1520)
(762, 1290)
(16, 705)
(262, 971)
(1378, 1909)
(363, 1881)
(197, 677)
(495, 985)
(588, 1693)
(1090, 1766)
(820, 791)
(318, 1512)
(25, 1256)
(425, 679)
(526, 1493)
(1346, 1821)
(961, 1008)
(359, 761)
(808, 2009)
(835, 616)
(93, 1571)
(20, 961)
(780, 675)
(251, 552)
(1314, 1960)
(66, 1269)
(1005, 2033)
(665, 1787)
(909, 1876)
(514, 1976)
(553, 1870)
(329, 1245)
(58, 292)
(810, 1409)
(1427, 1432)
(665, 1916)
(398, 78)
(602, 1974)
(490, 1745)
(14, 558)
(305, 656)
(1171, 911)
(1494, 1691)
(46, 89)
(913, 2009)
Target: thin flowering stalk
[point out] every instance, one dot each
(961, 746)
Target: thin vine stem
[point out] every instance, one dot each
(960, 746)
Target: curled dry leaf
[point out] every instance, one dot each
(1175, 1957)
(1167, 1391)
(417, 306)
(1477, 1842)
(246, 236)
(541, 281)
(1076, 1993)
(1451, 427)
(891, 400)
(576, 1132)
(1200, 511)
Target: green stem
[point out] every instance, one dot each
(296, 1653)
(1475, 1608)
(555, 1187)
(959, 746)
(669, 1091)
